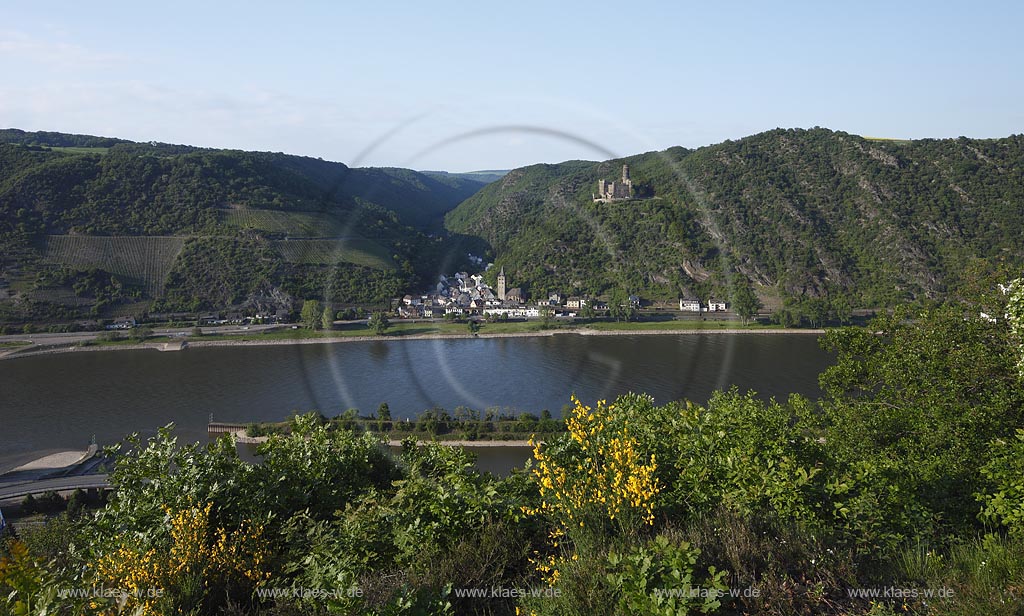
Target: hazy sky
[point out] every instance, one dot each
(438, 85)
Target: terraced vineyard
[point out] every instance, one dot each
(328, 252)
(66, 297)
(295, 224)
(144, 261)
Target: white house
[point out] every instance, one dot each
(515, 313)
(688, 304)
(715, 305)
(122, 323)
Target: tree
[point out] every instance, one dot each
(841, 309)
(786, 317)
(139, 334)
(327, 319)
(547, 318)
(619, 307)
(379, 323)
(744, 301)
(383, 417)
(312, 314)
(927, 391)
(473, 327)
(816, 309)
(587, 311)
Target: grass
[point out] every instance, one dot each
(342, 246)
(986, 575)
(77, 149)
(889, 139)
(14, 344)
(297, 224)
(125, 340)
(400, 329)
(674, 325)
(328, 252)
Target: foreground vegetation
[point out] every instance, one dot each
(899, 491)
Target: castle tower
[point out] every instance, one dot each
(625, 175)
(501, 284)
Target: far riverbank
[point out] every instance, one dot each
(622, 329)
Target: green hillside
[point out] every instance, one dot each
(419, 199)
(797, 213)
(142, 261)
(485, 176)
(91, 223)
(329, 252)
(294, 224)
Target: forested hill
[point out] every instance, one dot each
(797, 213)
(91, 225)
(149, 172)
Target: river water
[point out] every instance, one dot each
(61, 401)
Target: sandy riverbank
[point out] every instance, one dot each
(29, 466)
(52, 461)
(582, 331)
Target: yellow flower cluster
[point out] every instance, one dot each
(195, 551)
(19, 570)
(604, 473)
(548, 567)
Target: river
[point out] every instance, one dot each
(61, 401)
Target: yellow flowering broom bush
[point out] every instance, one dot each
(197, 562)
(597, 475)
(599, 490)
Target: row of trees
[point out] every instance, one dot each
(317, 316)
(463, 422)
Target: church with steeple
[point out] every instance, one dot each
(505, 294)
(501, 284)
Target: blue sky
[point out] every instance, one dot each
(445, 85)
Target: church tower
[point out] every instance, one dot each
(501, 284)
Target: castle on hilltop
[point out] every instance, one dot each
(613, 191)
